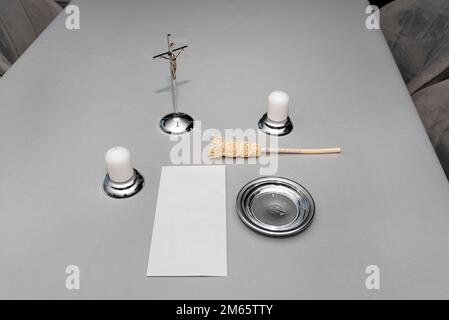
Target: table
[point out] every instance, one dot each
(75, 93)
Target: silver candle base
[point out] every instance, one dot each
(176, 123)
(275, 128)
(120, 190)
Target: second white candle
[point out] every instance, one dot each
(278, 106)
(118, 163)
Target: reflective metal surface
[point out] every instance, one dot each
(176, 123)
(275, 206)
(275, 128)
(123, 189)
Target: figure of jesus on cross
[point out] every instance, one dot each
(171, 55)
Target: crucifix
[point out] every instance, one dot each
(176, 122)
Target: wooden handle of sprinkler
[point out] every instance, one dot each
(302, 151)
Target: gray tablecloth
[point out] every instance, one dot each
(75, 93)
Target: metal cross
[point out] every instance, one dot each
(171, 55)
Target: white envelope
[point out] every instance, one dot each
(189, 231)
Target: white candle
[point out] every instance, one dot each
(118, 164)
(278, 106)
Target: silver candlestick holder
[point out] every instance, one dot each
(275, 128)
(126, 189)
(176, 122)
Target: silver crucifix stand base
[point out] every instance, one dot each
(176, 123)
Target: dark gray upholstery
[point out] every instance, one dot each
(432, 103)
(4, 65)
(417, 32)
(21, 21)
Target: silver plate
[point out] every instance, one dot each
(275, 206)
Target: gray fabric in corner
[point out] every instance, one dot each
(432, 104)
(21, 21)
(417, 32)
(4, 65)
